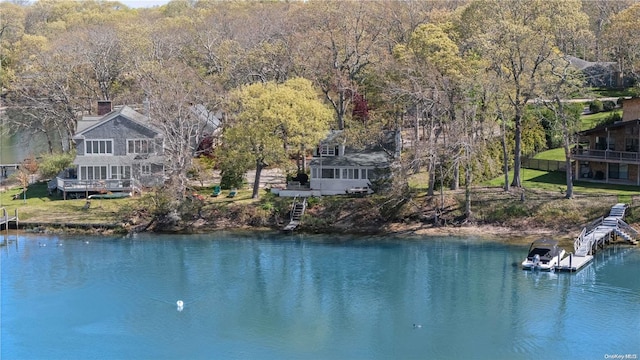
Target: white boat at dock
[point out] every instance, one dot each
(544, 254)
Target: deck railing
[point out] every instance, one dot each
(81, 185)
(624, 156)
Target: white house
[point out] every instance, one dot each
(337, 169)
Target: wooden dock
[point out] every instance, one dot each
(599, 234)
(6, 220)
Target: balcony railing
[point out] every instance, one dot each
(609, 155)
(95, 185)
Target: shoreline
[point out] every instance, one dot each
(502, 234)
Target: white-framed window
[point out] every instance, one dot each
(98, 147)
(327, 150)
(140, 146)
(145, 169)
(120, 172)
(93, 172)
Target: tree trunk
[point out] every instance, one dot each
(432, 177)
(467, 190)
(517, 182)
(505, 155)
(455, 182)
(256, 181)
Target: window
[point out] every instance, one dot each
(352, 174)
(326, 150)
(631, 145)
(98, 147)
(120, 172)
(93, 173)
(618, 171)
(328, 173)
(140, 146)
(145, 169)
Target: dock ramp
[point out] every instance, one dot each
(596, 236)
(297, 210)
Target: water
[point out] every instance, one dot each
(269, 296)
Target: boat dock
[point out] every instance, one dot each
(597, 235)
(6, 220)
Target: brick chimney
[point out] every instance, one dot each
(104, 107)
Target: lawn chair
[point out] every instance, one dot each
(232, 193)
(216, 191)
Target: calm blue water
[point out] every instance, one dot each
(269, 296)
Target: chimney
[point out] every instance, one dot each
(104, 107)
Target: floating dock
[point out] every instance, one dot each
(597, 235)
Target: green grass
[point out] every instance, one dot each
(553, 154)
(555, 181)
(590, 121)
(602, 92)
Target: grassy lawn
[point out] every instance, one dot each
(40, 207)
(601, 92)
(591, 120)
(553, 154)
(555, 181)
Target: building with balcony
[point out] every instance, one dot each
(117, 151)
(610, 153)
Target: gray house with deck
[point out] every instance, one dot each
(118, 151)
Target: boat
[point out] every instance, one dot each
(544, 254)
(110, 195)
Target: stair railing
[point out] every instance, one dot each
(578, 242)
(628, 229)
(293, 207)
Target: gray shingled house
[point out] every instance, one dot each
(118, 151)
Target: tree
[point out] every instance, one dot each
(336, 42)
(564, 80)
(518, 38)
(622, 37)
(273, 121)
(180, 105)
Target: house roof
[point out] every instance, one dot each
(581, 64)
(377, 159)
(211, 121)
(617, 124)
(89, 123)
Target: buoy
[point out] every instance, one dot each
(180, 304)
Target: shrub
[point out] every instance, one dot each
(610, 119)
(50, 165)
(608, 105)
(595, 106)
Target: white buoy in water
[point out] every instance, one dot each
(180, 304)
